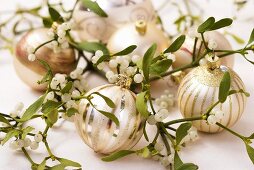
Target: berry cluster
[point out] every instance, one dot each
(215, 116)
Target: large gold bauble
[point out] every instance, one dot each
(184, 54)
(99, 132)
(141, 34)
(199, 90)
(90, 26)
(30, 72)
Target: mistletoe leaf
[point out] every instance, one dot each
(9, 135)
(55, 15)
(176, 45)
(49, 74)
(126, 51)
(160, 66)
(177, 161)
(71, 111)
(47, 22)
(52, 117)
(67, 162)
(148, 57)
(92, 47)
(26, 130)
(4, 120)
(250, 152)
(182, 131)
(206, 25)
(224, 87)
(93, 6)
(188, 166)
(67, 87)
(32, 109)
(117, 155)
(141, 104)
(109, 102)
(221, 23)
(251, 39)
(49, 106)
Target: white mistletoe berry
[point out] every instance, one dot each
(136, 58)
(27, 142)
(138, 78)
(13, 145)
(211, 120)
(31, 57)
(113, 63)
(38, 137)
(212, 44)
(34, 145)
(151, 120)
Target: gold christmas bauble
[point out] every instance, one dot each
(141, 34)
(199, 90)
(90, 26)
(99, 132)
(184, 54)
(30, 72)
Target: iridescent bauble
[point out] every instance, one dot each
(90, 26)
(30, 72)
(184, 54)
(99, 132)
(141, 34)
(199, 90)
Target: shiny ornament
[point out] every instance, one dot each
(142, 34)
(32, 71)
(90, 26)
(184, 54)
(99, 132)
(199, 90)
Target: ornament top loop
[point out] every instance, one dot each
(123, 81)
(141, 27)
(213, 62)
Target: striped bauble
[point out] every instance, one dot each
(99, 132)
(200, 89)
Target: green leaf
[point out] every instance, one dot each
(160, 67)
(49, 74)
(4, 120)
(182, 131)
(55, 15)
(224, 87)
(109, 102)
(58, 167)
(251, 39)
(52, 117)
(110, 116)
(250, 152)
(126, 51)
(9, 135)
(42, 165)
(144, 132)
(141, 104)
(147, 61)
(251, 136)
(177, 161)
(26, 130)
(144, 152)
(67, 87)
(236, 38)
(67, 162)
(176, 45)
(102, 58)
(206, 25)
(92, 47)
(49, 106)
(117, 155)
(47, 22)
(93, 6)
(221, 23)
(188, 166)
(71, 111)
(33, 109)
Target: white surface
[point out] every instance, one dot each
(210, 152)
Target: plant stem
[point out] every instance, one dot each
(38, 47)
(183, 120)
(164, 139)
(231, 131)
(28, 156)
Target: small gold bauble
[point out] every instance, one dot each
(141, 34)
(30, 72)
(184, 54)
(90, 26)
(99, 132)
(199, 90)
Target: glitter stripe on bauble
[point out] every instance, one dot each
(200, 89)
(99, 132)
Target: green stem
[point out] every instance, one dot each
(164, 139)
(28, 156)
(231, 131)
(183, 120)
(38, 47)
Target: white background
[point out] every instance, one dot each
(211, 152)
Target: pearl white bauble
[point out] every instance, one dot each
(199, 90)
(184, 54)
(130, 35)
(32, 71)
(90, 26)
(99, 132)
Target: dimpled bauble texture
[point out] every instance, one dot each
(184, 54)
(99, 132)
(90, 26)
(141, 34)
(199, 90)
(32, 71)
